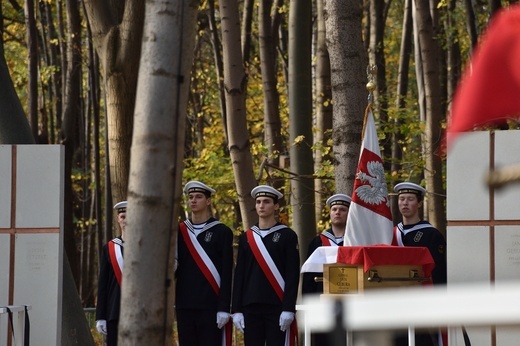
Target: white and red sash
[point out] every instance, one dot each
(264, 259)
(272, 273)
(115, 253)
(200, 256)
(399, 231)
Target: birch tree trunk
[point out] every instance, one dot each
(154, 192)
(348, 65)
(234, 83)
(116, 31)
(433, 136)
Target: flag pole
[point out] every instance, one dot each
(371, 86)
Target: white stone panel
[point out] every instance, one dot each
(38, 282)
(5, 186)
(5, 252)
(38, 196)
(508, 335)
(507, 253)
(468, 166)
(507, 198)
(468, 254)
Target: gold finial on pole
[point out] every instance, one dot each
(371, 85)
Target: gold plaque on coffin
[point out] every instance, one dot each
(348, 279)
(341, 279)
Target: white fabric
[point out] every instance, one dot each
(322, 255)
(286, 318)
(222, 319)
(119, 253)
(101, 326)
(238, 321)
(366, 225)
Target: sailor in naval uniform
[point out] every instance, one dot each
(413, 231)
(109, 281)
(266, 279)
(339, 205)
(203, 274)
(338, 209)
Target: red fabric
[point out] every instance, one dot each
(324, 240)
(113, 260)
(490, 90)
(227, 333)
(369, 256)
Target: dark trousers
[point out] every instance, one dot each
(263, 326)
(198, 328)
(112, 330)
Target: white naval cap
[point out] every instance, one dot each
(408, 187)
(267, 191)
(197, 186)
(339, 199)
(121, 207)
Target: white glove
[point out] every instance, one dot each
(222, 319)
(286, 318)
(238, 321)
(101, 326)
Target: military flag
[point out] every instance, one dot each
(369, 219)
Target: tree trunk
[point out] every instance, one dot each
(268, 30)
(377, 58)
(117, 33)
(323, 108)
(433, 136)
(300, 130)
(471, 22)
(400, 103)
(217, 53)
(32, 52)
(156, 173)
(234, 83)
(348, 63)
(247, 22)
(69, 133)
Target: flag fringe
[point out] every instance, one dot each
(367, 110)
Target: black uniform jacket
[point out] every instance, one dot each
(309, 285)
(251, 286)
(193, 290)
(424, 234)
(109, 291)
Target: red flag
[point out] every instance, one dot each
(490, 90)
(369, 219)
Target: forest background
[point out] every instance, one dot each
(276, 95)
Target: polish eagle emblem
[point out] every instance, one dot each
(375, 192)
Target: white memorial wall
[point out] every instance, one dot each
(31, 237)
(483, 233)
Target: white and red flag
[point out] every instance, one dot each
(369, 219)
